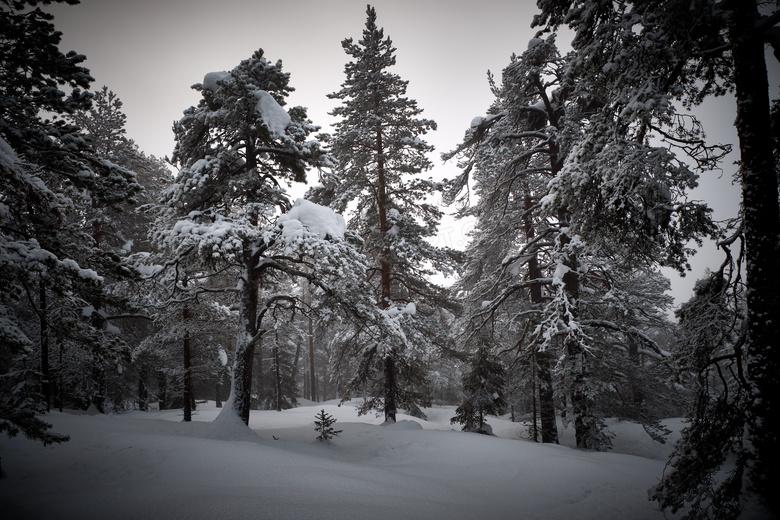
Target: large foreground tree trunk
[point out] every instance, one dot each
(762, 229)
(241, 388)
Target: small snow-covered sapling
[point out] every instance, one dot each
(323, 423)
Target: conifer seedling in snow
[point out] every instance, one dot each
(323, 423)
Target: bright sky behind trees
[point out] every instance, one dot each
(150, 52)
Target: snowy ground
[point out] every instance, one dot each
(151, 465)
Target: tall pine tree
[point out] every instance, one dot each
(380, 156)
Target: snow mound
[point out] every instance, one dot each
(403, 425)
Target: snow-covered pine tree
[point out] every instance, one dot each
(323, 424)
(648, 54)
(235, 151)
(52, 270)
(483, 389)
(380, 153)
(549, 264)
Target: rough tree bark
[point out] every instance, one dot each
(762, 229)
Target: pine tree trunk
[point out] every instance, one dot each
(241, 391)
(390, 397)
(44, 324)
(534, 411)
(277, 376)
(162, 390)
(762, 229)
(543, 359)
(313, 382)
(143, 394)
(385, 276)
(574, 351)
(186, 353)
(60, 389)
(218, 391)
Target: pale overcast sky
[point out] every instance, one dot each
(150, 52)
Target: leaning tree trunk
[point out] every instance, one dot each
(762, 230)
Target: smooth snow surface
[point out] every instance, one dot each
(150, 465)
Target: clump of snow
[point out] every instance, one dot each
(560, 271)
(210, 80)
(86, 274)
(223, 358)
(477, 121)
(322, 221)
(409, 309)
(7, 155)
(534, 42)
(274, 116)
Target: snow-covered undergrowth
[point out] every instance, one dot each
(151, 465)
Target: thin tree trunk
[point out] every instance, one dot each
(143, 394)
(385, 277)
(162, 390)
(535, 424)
(576, 355)
(313, 382)
(277, 375)
(762, 230)
(543, 360)
(60, 389)
(186, 352)
(390, 397)
(44, 324)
